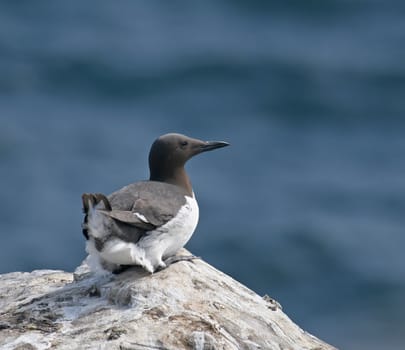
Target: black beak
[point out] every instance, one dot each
(210, 145)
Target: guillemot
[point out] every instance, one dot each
(147, 222)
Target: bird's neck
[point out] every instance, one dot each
(177, 176)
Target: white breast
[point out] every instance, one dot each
(181, 228)
(169, 238)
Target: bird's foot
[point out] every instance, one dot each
(176, 258)
(162, 265)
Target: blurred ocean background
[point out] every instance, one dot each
(307, 205)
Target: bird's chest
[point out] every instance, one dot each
(176, 232)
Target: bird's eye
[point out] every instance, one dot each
(183, 143)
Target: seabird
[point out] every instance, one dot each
(147, 222)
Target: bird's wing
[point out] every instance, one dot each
(130, 218)
(145, 214)
(146, 205)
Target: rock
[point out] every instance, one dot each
(189, 305)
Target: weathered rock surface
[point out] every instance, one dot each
(189, 305)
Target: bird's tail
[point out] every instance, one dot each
(90, 202)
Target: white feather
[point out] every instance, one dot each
(141, 217)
